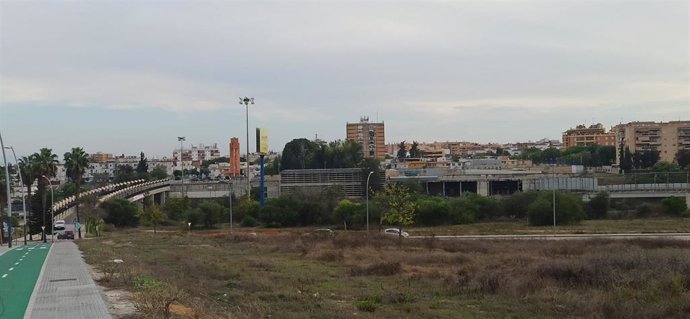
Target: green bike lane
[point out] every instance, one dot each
(19, 271)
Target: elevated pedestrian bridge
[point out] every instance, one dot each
(132, 190)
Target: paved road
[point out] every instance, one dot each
(19, 270)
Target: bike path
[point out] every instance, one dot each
(19, 271)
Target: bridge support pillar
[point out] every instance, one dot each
(483, 188)
(159, 199)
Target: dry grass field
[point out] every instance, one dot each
(286, 275)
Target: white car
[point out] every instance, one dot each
(395, 232)
(59, 225)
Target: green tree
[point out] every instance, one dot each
(153, 215)
(462, 210)
(346, 211)
(176, 208)
(568, 209)
(295, 153)
(674, 205)
(247, 208)
(45, 164)
(626, 160)
(142, 167)
(279, 212)
(662, 166)
(273, 166)
(516, 204)
(683, 158)
(401, 207)
(598, 206)
(402, 150)
(550, 155)
(76, 162)
(645, 159)
(159, 172)
(432, 211)
(121, 212)
(414, 150)
(28, 178)
(125, 173)
(211, 212)
(534, 154)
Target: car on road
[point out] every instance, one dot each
(59, 225)
(395, 232)
(68, 234)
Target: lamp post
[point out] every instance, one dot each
(367, 194)
(189, 227)
(182, 139)
(45, 238)
(553, 173)
(21, 181)
(246, 101)
(9, 205)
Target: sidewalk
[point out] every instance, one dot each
(65, 288)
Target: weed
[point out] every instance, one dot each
(378, 269)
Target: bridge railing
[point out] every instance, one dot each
(134, 189)
(652, 187)
(61, 209)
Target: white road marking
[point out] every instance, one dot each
(11, 268)
(17, 263)
(5, 275)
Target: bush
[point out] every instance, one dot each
(369, 303)
(462, 211)
(247, 208)
(121, 212)
(568, 209)
(516, 205)
(598, 206)
(644, 210)
(432, 211)
(379, 269)
(248, 221)
(674, 205)
(346, 211)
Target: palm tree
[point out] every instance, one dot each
(76, 163)
(28, 178)
(44, 164)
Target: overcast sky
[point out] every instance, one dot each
(131, 76)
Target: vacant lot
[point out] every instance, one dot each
(216, 275)
(602, 226)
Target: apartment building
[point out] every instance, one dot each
(370, 135)
(196, 154)
(666, 137)
(583, 136)
(99, 157)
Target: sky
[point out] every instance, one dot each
(123, 77)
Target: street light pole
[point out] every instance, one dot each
(21, 182)
(553, 169)
(52, 222)
(182, 139)
(367, 192)
(9, 204)
(246, 101)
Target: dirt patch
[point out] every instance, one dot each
(119, 301)
(181, 310)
